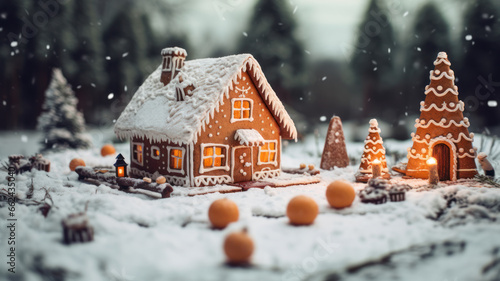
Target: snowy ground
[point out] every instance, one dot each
(451, 233)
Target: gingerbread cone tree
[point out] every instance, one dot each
(334, 152)
(442, 129)
(373, 150)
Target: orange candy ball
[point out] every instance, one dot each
(340, 194)
(75, 163)
(223, 212)
(108, 149)
(302, 210)
(238, 247)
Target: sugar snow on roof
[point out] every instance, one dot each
(155, 113)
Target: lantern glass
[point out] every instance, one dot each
(121, 172)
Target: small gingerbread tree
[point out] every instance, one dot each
(334, 152)
(373, 150)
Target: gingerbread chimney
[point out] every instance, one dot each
(173, 61)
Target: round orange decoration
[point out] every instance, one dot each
(340, 194)
(302, 210)
(223, 212)
(75, 163)
(108, 149)
(238, 247)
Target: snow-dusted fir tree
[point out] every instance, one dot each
(62, 124)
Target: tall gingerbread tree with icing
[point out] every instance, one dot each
(373, 150)
(442, 131)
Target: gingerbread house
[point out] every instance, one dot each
(442, 131)
(205, 122)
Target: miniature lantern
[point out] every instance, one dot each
(433, 172)
(121, 166)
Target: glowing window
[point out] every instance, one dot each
(267, 153)
(175, 159)
(137, 152)
(242, 110)
(155, 152)
(214, 156)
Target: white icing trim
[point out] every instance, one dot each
(133, 153)
(453, 154)
(265, 173)
(442, 60)
(379, 141)
(367, 150)
(153, 147)
(457, 140)
(428, 90)
(443, 74)
(418, 156)
(212, 180)
(232, 110)
(233, 158)
(183, 151)
(467, 155)
(202, 167)
(441, 124)
(458, 106)
(467, 170)
(275, 162)
(377, 130)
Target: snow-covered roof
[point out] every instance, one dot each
(154, 111)
(249, 137)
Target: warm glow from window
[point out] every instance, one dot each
(176, 159)
(268, 152)
(431, 161)
(213, 156)
(138, 153)
(241, 109)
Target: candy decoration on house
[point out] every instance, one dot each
(373, 151)
(205, 122)
(335, 151)
(121, 166)
(442, 129)
(76, 229)
(486, 165)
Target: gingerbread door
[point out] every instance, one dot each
(242, 164)
(442, 154)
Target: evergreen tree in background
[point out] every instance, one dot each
(430, 35)
(272, 41)
(88, 54)
(372, 61)
(63, 125)
(481, 59)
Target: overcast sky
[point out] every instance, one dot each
(326, 26)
